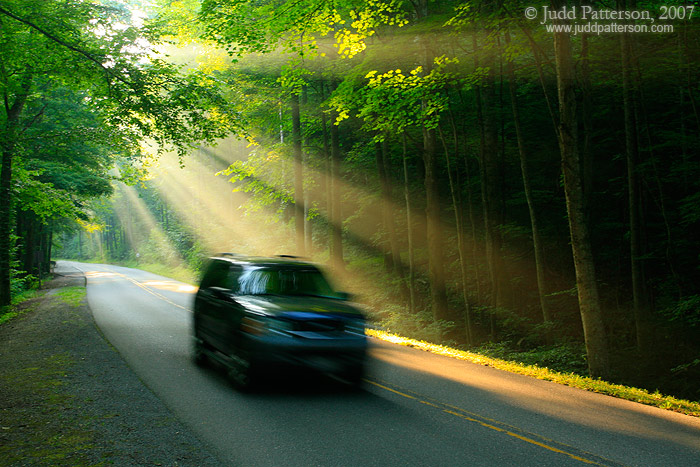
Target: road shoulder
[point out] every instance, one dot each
(68, 398)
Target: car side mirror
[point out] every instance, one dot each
(344, 296)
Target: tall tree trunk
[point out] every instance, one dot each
(409, 232)
(393, 262)
(459, 224)
(489, 186)
(49, 246)
(589, 301)
(308, 225)
(384, 199)
(436, 271)
(8, 134)
(327, 170)
(587, 118)
(629, 97)
(298, 177)
(436, 267)
(336, 247)
(472, 221)
(524, 168)
(393, 240)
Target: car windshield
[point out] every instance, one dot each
(284, 282)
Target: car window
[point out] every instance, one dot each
(284, 282)
(232, 279)
(216, 275)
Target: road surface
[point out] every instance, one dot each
(415, 408)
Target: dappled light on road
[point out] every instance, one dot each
(97, 274)
(172, 286)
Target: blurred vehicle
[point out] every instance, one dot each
(257, 316)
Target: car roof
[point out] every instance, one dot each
(265, 261)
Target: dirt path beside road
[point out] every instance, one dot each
(68, 399)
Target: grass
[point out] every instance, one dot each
(35, 432)
(21, 303)
(71, 295)
(641, 396)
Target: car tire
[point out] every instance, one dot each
(354, 375)
(242, 373)
(199, 355)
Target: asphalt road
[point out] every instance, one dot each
(415, 409)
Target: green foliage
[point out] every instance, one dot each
(84, 86)
(72, 296)
(565, 358)
(272, 190)
(246, 26)
(685, 311)
(420, 326)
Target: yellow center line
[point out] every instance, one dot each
(493, 426)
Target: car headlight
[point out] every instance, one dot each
(253, 325)
(261, 325)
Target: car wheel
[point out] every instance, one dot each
(198, 353)
(354, 375)
(242, 373)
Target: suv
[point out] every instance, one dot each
(254, 315)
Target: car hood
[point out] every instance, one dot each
(277, 305)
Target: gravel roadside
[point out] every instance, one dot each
(68, 399)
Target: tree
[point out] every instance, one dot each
(588, 298)
(537, 245)
(90, 47)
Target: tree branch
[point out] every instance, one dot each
(61, 42)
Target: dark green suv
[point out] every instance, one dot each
(256, 315)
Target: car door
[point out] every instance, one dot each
(231, 311)
(210, 310)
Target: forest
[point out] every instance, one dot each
(474, 175)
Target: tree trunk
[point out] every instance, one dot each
(436, 272)
(489, 188)
(393, 240)
(589, 301)
(409, 232)
(536, 241)
(298, 177)
(384, 198)
(7, 146)
(336, 247)
(308, 225)
(459, 224)
(392, 257)
(587, 117)
(629, 96)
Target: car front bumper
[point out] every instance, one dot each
(330, 355)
